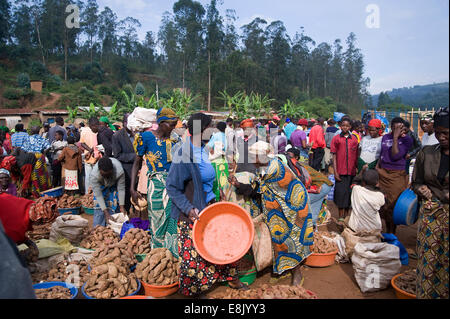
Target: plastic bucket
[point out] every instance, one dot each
(89, 211)
(321, 260)
(406, 210)
(43, 285)
(401, 294)
(69, 211)
(160, 291)
(88, 297)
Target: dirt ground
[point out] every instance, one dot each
(334, 282)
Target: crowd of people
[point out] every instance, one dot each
(280, 170)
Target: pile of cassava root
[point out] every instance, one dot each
(110, 276)
(88, 199)
(61, 271)
(266, 292)
(159, 268)
(323, 245)
(66, 201)
(40, 231)
(137, 240)
(117, 253)
(99, 236)
(111, 279)
(55, 292)
(407, 281)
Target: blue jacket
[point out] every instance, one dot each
(184, 183)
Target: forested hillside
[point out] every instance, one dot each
(423, 96)
(202, 52)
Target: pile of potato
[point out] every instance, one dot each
(407, 281)
(266, 292)
(88, 199)
(61, 271)
(99, 236)
(56, 292)
(137, 240)
(111, 278)
(323, 245)
(66, 201)
(159, 268)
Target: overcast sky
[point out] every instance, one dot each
(410, 47)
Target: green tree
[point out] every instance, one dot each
(90, 23)
(5, 20)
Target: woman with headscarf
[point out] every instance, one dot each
(5, 183)
(427, 126)
(156, 148)
(105, 120)
(286, 211)
(370, 146)
(430, 182)
(190, 187)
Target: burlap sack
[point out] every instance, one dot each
(351, 238)
(71, 227)
(262, 244)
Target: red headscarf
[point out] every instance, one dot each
(247, 123)
(377, 123)
(303, 122)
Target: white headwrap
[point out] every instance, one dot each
(141, 119)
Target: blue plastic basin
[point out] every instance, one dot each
(69, 211)
(406, 210)
(54, 192)
(50, 284)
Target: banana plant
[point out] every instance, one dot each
(73, 113)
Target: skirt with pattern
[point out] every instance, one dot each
(198, 275)
(432, 251)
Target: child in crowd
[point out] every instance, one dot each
(366, 201)
(344, 148)
(370, 146)
(70, 159)
(57, 146)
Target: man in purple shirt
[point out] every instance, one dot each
(391, 168)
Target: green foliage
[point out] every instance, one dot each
(38, 71)
(12, 94)
(320, 107)
(15, 94)
(53, 82)
(34, 122)
(23, 80)
(140, 89)
(93, 72)
(93, 111)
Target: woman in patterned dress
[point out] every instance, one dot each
(156, 148)
(286, 211)
(430, 182)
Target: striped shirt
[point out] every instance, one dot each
(19, 138)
